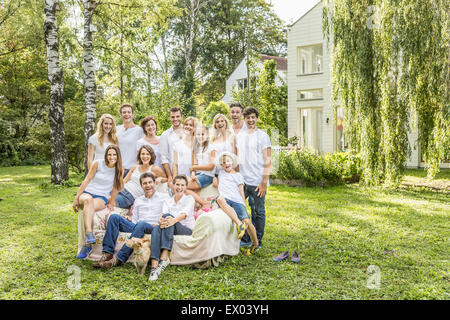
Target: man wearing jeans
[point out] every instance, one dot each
(146, 212)
(254, 150)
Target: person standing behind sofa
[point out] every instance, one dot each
(146, 212)
(150, 126)
(102, 138)
(255, 159)
(177, 218)
(238, 125)
(128, 134)
(104, 178)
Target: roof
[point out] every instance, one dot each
(306, 13)
(281, 61)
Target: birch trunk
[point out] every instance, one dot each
(90, 88)
(59, 165)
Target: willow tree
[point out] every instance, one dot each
(389, 71)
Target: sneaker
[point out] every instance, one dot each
(295, 258)
(245, 244)
(154, 274)
(282, 256)
(163, 265)
(90, 238)
(241, 230)
(84, 252)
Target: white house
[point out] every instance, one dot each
(310, 114)
(238, 78)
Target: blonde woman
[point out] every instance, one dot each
(222, 140)
(102, 138)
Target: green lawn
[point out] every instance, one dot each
(339, 232)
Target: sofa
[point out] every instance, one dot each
(213, 239)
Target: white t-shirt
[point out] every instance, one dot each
(244, 127)
(185, 205)
(155, 147)
(251, 157)
(127, 143)
(99, 152)
(103, 181)
(220, 147)
(149, 209)
(184, 157)
(166, 142)
(203, 159)
(229, 186)
(133, 185)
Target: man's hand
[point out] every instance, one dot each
(262, 189)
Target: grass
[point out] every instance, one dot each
(338, 231)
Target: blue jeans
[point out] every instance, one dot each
(258, 212)
(124, 199)
(239, 208)
(203, 180)
(163, 238)
(116, 224)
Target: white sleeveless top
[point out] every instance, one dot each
(184, 157)
(221, 147)
(103, 181)
(203, 158)
(133, 186)
(155, 147)
(99, 152)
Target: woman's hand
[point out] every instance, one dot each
(110, 206)
(76, 204)
(158, 180)
(169, 221)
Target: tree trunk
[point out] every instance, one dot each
(90, 88)
(59, 165)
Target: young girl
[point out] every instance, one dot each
(232, 199)
(150, 126)
(104, 177)
(182, 152)
(177, 218)
(102, 138)
(202, 171)
(132, 188)
(223, 138)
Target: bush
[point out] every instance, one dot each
(210, 112)
(313, 169)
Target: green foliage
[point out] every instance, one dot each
(210, 112)
(314, 169)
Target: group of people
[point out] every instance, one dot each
(126, 164)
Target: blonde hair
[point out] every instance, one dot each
(216, 132)
(194, 120)
(101, 134)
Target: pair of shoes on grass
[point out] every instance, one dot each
(285, 255)
(155, 272)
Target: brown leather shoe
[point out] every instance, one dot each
(106, 256)
(113, 262)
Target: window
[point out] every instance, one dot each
(310, 59)
(242, 84)
(310, 94)
(311, 128)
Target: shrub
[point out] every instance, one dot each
(314, 169)
(210, 112)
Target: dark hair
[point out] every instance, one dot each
(236, 104)
(147, 119)
(126, 105)
(250, 110)
(150, 150)
(176, 109)
(118, 173)
(182, 177)
(146, 175)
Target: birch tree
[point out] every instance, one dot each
(59, 163)
(90, 88)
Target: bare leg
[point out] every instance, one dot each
(164, 254)
(228, 210)
(90, 205)
(251, 231)
(198, 199)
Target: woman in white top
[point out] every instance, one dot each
(183, 149)
(102, 138)
(132, 185)
(202, 171)
(222, 140)
(104, 178)
(177, 218)
(150, 126)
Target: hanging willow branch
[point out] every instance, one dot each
(390, 60)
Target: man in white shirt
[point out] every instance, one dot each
(254, 151)
(146, 212)
(236, 118)
(128, 134)
(168, 139)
